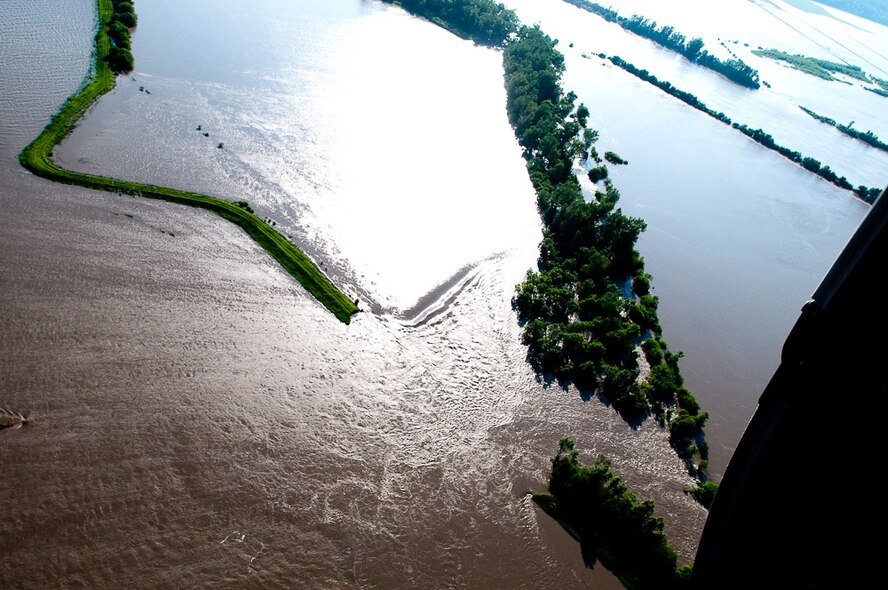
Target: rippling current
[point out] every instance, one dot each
(199, 421)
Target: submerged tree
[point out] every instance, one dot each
(597, 507)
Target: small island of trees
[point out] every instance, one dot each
(596, 508)
(614, 158)
(587, 308)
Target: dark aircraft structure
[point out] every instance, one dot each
(800, 504)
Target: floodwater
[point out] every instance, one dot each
(752, 24)
(197, 419)
(738, 237)
(399, 176)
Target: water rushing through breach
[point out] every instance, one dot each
(198, 420)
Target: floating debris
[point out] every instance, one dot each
(10, 419)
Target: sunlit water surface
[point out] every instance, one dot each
(199, 420)
(738, 237)
(379, 139)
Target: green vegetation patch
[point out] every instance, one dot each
(614, 158)
(483, 21)
(666, 36)
(123, 19)
(704, 493)
(587, 307)
(816, 67)
(758, 135)
(867, 137)
(883, 86)
(37, 157)
(595, 506)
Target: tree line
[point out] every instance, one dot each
(587, 308)
(599, 510)
(865, 136)
(808, 163)
(486, 23)
(667, 87)
(587, 311)
(735, 70)
(123, 20)
(579, 325)
(883, 86)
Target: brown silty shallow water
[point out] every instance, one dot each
(198, 420)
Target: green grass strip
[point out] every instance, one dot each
(37, 157)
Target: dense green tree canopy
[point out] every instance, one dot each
(666, 36)
(483, 21)
(122, 20)
(597, 507)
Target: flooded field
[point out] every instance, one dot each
(199, 420)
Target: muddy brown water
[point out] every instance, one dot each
(199, 421)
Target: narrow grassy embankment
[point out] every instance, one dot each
(37, 157)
